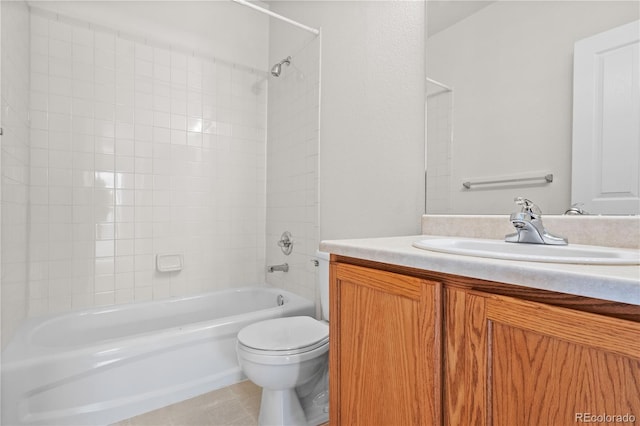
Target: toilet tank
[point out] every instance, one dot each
(323, 282)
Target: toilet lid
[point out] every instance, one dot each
(284, 334)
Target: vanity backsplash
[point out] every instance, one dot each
(608, 231)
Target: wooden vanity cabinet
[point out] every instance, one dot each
(411, 347)
(385, 348)
(515, 362)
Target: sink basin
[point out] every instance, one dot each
(498, 249)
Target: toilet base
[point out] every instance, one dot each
(281, 408)
(314, 398)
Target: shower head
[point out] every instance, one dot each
(277, 68)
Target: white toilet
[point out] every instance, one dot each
(288, 358)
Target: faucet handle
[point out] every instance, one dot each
(528, 206)
(576, 209)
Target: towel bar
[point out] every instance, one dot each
(547, 177)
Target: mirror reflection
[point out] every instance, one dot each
(500, 101)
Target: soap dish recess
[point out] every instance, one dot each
(169, 262)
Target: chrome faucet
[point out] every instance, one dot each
(273, 268)
(529, 227)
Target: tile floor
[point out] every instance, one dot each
(235, 405)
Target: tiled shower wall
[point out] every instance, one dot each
(136, 150)
(15, 164)
(292, 170)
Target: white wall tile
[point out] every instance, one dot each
(15, 164)
(60, 104)
(104, 266)
(104, 298)
(82, 36)
(60, 49)
(124, 247)
(125, 166)
(292, 169)
(60, 31)
(64, 86)
(105, 41)
(125, 47)
(83, 54)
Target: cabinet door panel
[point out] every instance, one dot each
(550, 365)
(385, 349)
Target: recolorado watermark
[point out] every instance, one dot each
(605, 418)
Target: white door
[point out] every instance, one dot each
(606, 122)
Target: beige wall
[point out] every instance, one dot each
(372, 115)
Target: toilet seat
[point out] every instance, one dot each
(284, 336)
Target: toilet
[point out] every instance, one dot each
(288, 357)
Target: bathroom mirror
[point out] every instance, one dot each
(499, 100)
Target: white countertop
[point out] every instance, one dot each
(614, 283)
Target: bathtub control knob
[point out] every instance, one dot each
(286, 243)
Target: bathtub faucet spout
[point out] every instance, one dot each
(273, 268)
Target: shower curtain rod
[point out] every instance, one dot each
(277, 16)
(437, 83)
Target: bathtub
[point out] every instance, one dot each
(102, 365)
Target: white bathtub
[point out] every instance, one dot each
(102, 365)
